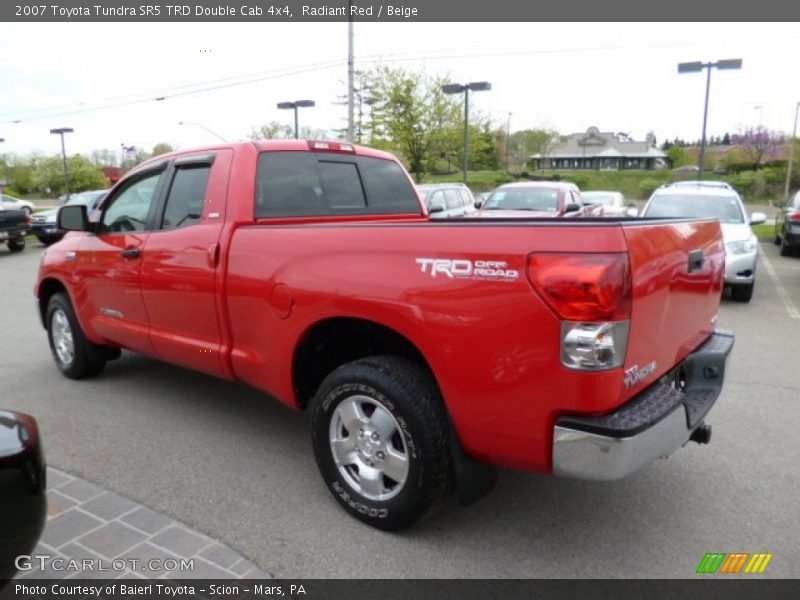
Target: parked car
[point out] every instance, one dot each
(723, 203)
(23, 504)
(11, 203)
(537, 199)
(14, 226)
(445, 200)
(787, 227)
(613, 203)
(426, 353)
(43, 224)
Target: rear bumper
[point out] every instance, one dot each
(791, 235)
(13, 234)
(652, 425)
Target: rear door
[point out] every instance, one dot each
(180, 262)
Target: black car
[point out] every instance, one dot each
(23, 504)
(43, 224)
(787, 227)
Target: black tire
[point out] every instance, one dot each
(785, 250)
(87, 359)
(409, 394)
(16, 245)
(742, 293)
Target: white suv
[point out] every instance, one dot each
(723, 203)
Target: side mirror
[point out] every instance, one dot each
(632, 212)
(73, 218)
(757, 218)
(478, 203)
(572, 207)
(436, 209)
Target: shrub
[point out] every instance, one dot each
(647, 186)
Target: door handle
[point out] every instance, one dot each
(695, 260)
(131, 253)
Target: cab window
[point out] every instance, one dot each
(129, 209)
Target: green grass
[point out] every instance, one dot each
(765, 232)
(479, 181)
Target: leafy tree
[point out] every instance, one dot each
(48, 176)
(162, 148)
(759, 142)
(105, 157)
(677, 156)
(726, 139)
(272, 131)
(412, 116)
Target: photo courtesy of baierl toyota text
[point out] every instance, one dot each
(334, 299)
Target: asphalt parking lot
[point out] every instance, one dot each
(237, 466)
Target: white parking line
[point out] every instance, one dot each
(784, 295)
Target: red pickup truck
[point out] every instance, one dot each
(427, 351)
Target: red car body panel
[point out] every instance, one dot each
(234, 296)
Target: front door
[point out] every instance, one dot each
(108, 264)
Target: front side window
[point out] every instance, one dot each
(186, 198)
(128, 210)
(452, 198)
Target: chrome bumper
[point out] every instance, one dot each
(652, 425)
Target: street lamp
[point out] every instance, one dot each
(791, 155)
(61, 131)
(457, 88)
(696, 67)
(294, 106)
(201, 126)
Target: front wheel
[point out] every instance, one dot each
(16, 245)
(380, 440)
(75, 356)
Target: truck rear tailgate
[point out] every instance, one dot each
(677, 270)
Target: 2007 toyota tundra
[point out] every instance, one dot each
(427, 351)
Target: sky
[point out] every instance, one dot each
(569, 76)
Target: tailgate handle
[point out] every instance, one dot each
(695, 260)
(131, 253)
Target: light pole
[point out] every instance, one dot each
(696, 67)
(457, 88)
(201, 126)
(760, 110)
(791, 155)
(61, 131)
(294, 106)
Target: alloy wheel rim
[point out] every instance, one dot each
(63, 340)
(369, 448)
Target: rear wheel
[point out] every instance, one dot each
(380, 440)
(742, 293)
(75, 356)
(16, 245)
(785, 250)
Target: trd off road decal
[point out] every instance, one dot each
(456, 268)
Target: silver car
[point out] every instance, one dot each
(723, 203)
(446, 200)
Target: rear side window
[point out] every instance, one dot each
(186, 198)
(465, 198)
(291, 184)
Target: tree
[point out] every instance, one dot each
(759, 142)
(48, 176)
(162, 148)
(105, 157)
(677, 156)
(412, 116)
(272, 131)
(726, 139)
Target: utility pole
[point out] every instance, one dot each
(350, 73)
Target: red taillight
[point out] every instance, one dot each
(794, 216)
(320, 146)
(583, 287)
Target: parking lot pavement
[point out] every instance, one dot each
(236, 466)
(122, 538)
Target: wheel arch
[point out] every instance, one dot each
(47, 288)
